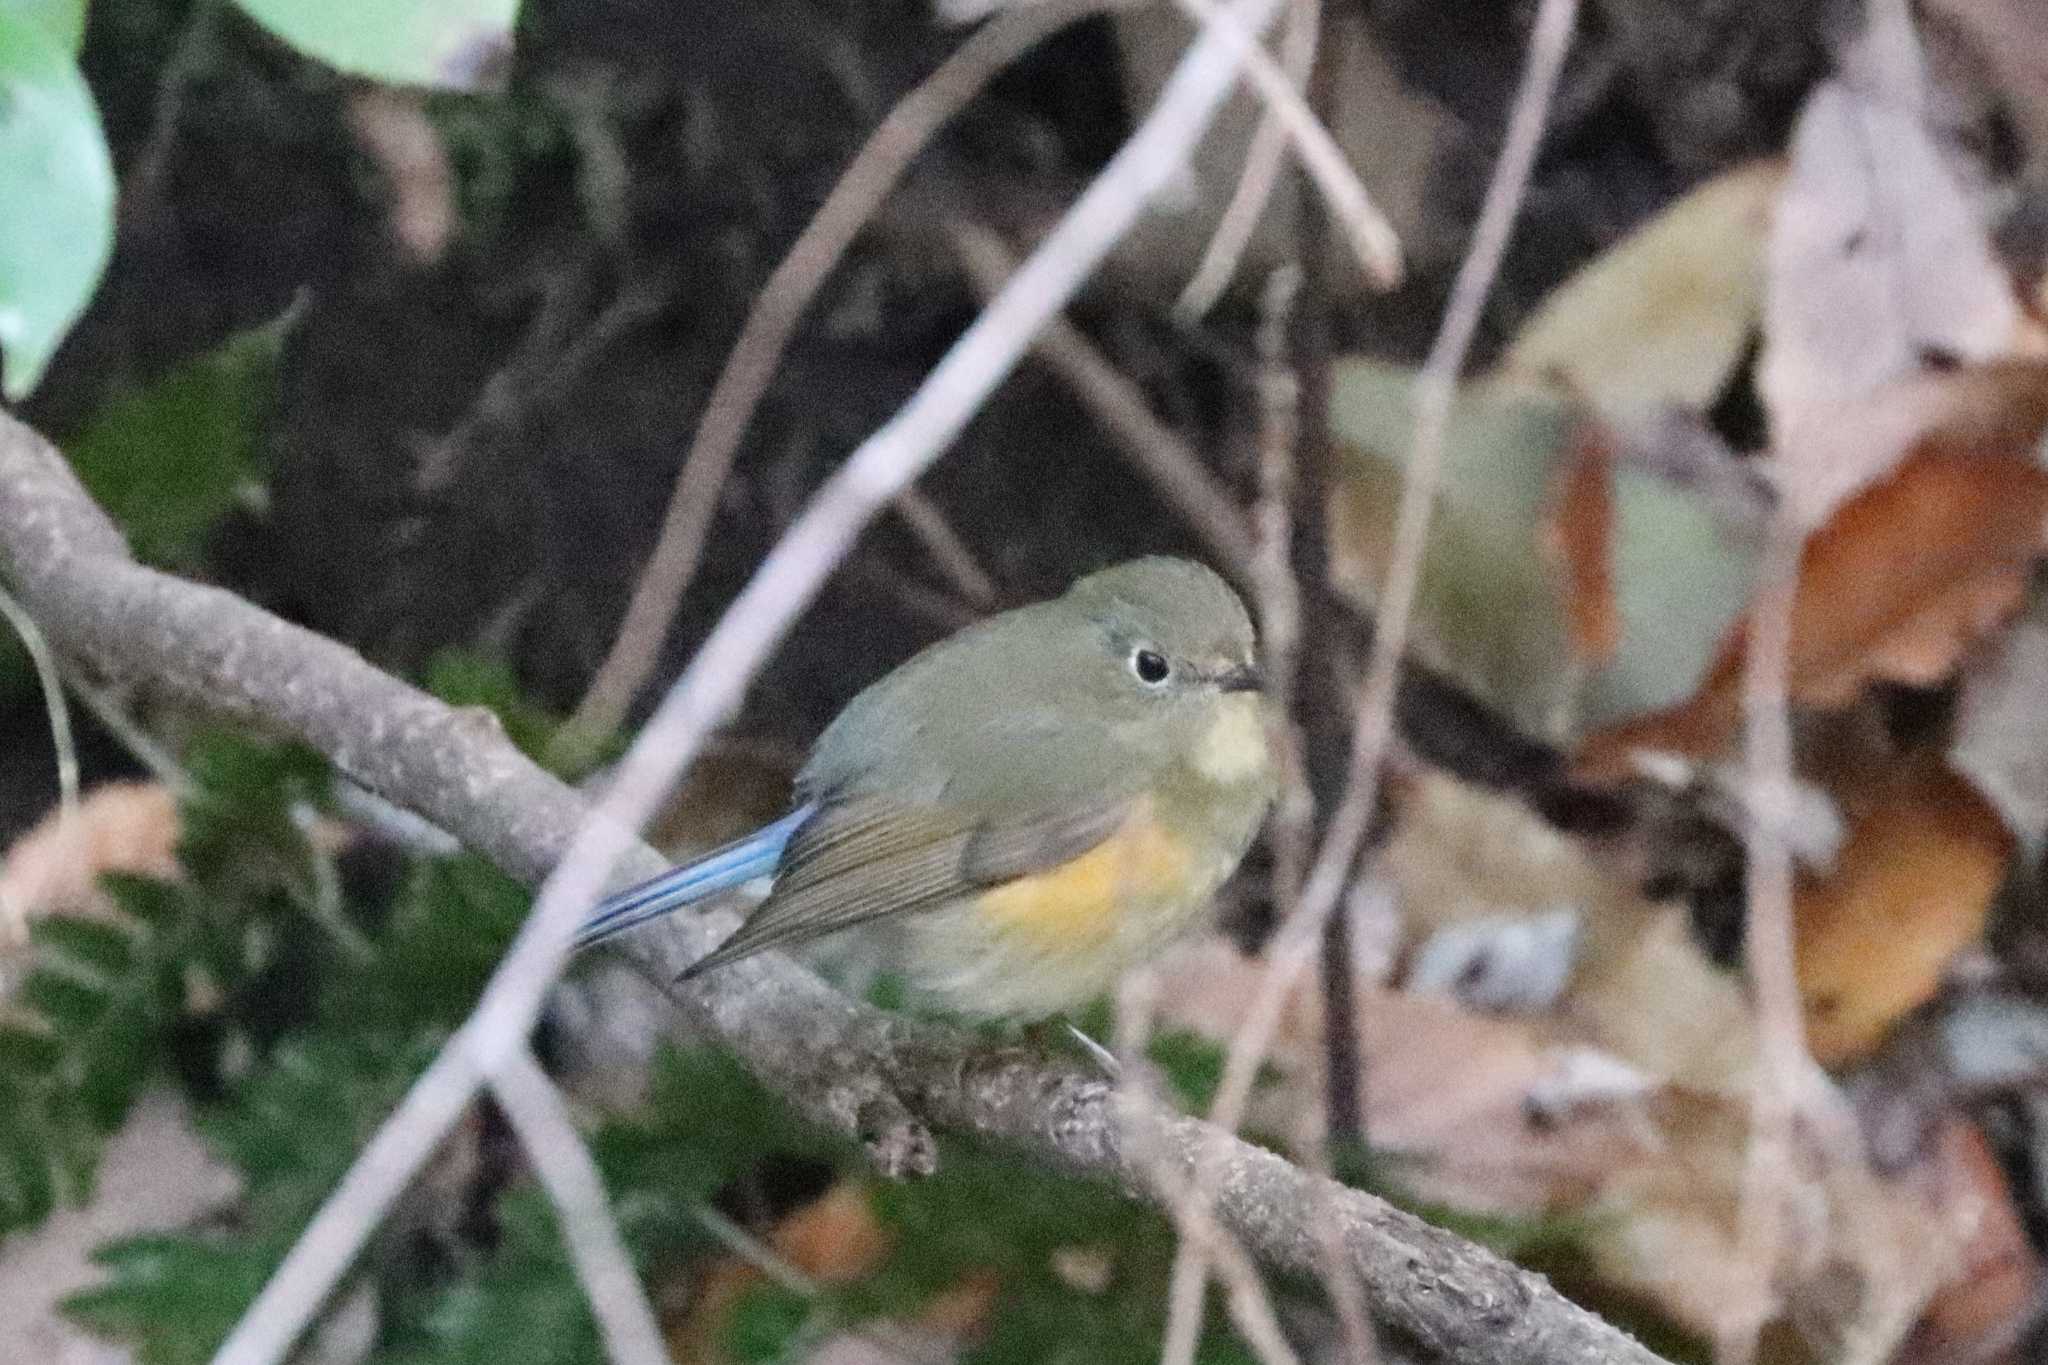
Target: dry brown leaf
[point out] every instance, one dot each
(1641, 988)
(1879, 262)
(835, 1239)
(1910, 888)
(1878, 258)
(1905, 575)
(1504, 1118)
(1889, 1245)
(1470, 1110)
(1913, 570)
(55, 868)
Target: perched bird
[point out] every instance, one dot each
(1027, 808)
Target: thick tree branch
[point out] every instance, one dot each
(860, 1070)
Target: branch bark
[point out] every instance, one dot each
(876, 1075)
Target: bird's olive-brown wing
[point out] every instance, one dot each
(869, 858)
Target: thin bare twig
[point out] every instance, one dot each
(1157, 451)
(143, 185)
(1373, 239)
(1245, 1298)
(1262, 165)
(47, 677)
(1435, 388)
(1296, 941)
(791, 575)
(946, 548)
(1276, 598)
(1329, 661)
(1306, 346)
(1768, 943)
(504, 399)
(45, 663)
(537, 1114)
(144, 747)
(1276, 595)
(750, 366)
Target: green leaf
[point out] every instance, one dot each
(763, 1326)
(524, 1304)
(703, 1103)
(1193, 1067)
(465, 677)
(1681, 578)
(176, 1296)
(1663, 317)
(1490, 606)
(63, 20)
(157, 904)
(292, 1132)
(67, 1002)
(102, 947)
(28, 1052)
(448, 44)
(28, 1190)
(170, 459)
(99, 1001)
(449, 925)
(56, 198)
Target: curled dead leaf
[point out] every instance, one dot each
(1880, 262)
(836, 1239)
(55, 868)
(1911, 887)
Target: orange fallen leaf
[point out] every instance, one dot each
(962, 1308)
(1903, 576)
(1911, 886)
(835, 1239)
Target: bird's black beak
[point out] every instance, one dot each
(1243, 678)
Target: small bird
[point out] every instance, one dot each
(1027, 808)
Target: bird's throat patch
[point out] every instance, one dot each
(1236, 747)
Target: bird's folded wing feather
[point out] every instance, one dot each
(867, 858)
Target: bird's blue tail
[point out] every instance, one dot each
(736, 864)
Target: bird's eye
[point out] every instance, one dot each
(1150, 666)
